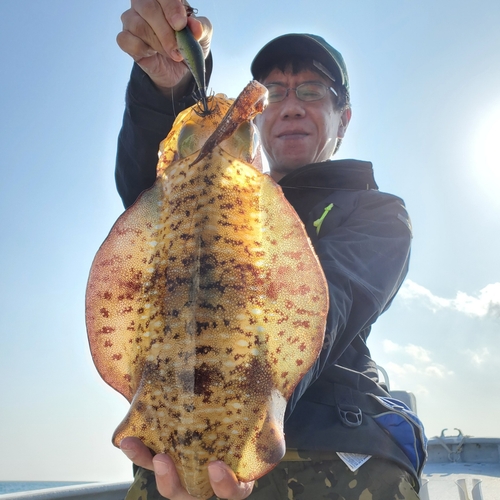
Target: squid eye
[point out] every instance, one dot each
(242, 144)
(189, 140)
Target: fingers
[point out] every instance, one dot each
(148, 36)
(225, 484)
(134, 46)
(167, 479)
(163, 17)
(223, 480)
(202, 30)
(138, 452)
(174, 12)
(154, 22)
(145, 27)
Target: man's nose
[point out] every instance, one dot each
(291, 105)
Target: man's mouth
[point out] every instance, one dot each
(292, 134)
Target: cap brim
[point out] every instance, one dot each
(302, 45)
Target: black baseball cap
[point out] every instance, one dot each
(308, 46)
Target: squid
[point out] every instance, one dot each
(206, 304)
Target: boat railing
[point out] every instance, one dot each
(90, 491)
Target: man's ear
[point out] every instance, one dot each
(344, 122)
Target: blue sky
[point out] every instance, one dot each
(425, 83)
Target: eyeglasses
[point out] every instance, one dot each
(313, 91)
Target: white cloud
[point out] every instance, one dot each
(410, 363)
(436, 371)
(416, 352)
(479, 356)
(487, 302)
(390, 346)
(433, 370)
(403, 369)
(420, 390)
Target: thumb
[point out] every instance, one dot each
(202, 30)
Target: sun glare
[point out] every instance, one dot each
(486, 153)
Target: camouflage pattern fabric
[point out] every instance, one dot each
(377, 479)
(143, 487)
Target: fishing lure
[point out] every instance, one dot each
(192, 52)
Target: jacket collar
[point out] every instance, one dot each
(332, 174)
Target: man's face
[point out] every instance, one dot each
(295, 133)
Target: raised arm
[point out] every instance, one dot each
(160, 86)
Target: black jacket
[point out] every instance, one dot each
(363, 246)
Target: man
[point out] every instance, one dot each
(361, 236)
